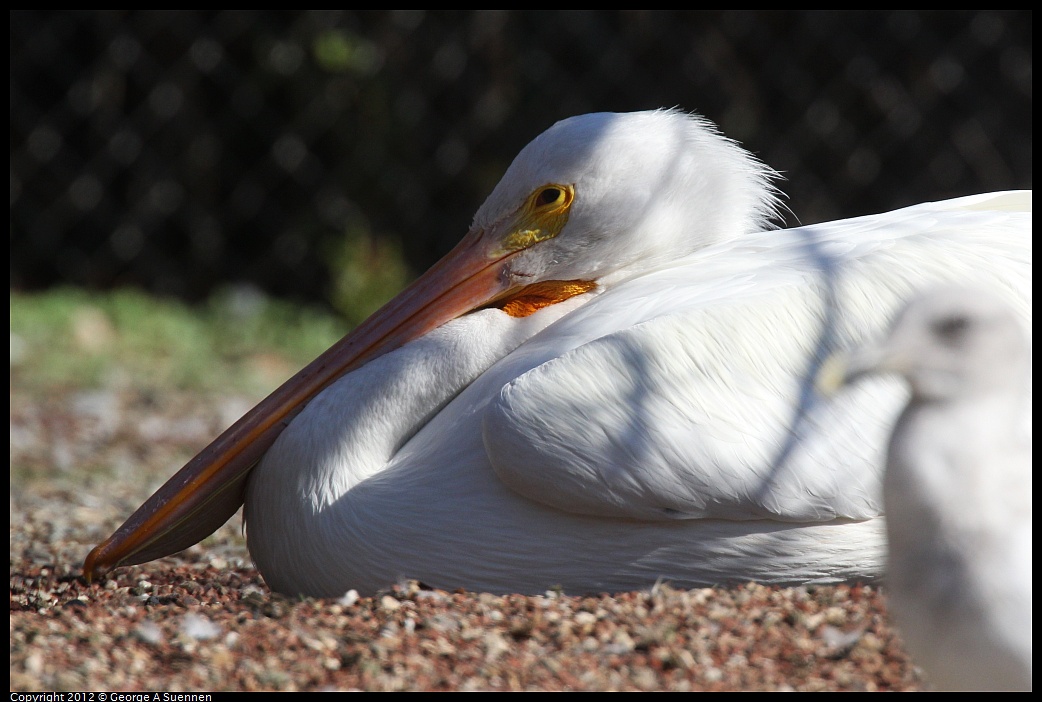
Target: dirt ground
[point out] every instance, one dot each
(81, 461)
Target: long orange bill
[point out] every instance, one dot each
(207, 491)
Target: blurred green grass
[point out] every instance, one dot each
(239, 341)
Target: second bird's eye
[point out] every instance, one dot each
(951, 329)
(548, 196)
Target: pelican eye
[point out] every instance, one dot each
(549, 196)
(551, 199)
(542, 216)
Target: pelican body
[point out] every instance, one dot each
(606, 384)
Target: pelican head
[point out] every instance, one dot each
(638, 190)
(593, 200)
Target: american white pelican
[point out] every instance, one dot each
(957, 489)
(629, 403)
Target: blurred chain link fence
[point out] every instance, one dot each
(301, 151)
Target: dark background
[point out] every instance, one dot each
(179, 151)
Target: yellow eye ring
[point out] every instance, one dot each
(543, 215)
(551, 196)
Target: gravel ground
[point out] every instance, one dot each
(204, 620)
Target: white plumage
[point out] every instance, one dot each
(655, 421)
(957, 489)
